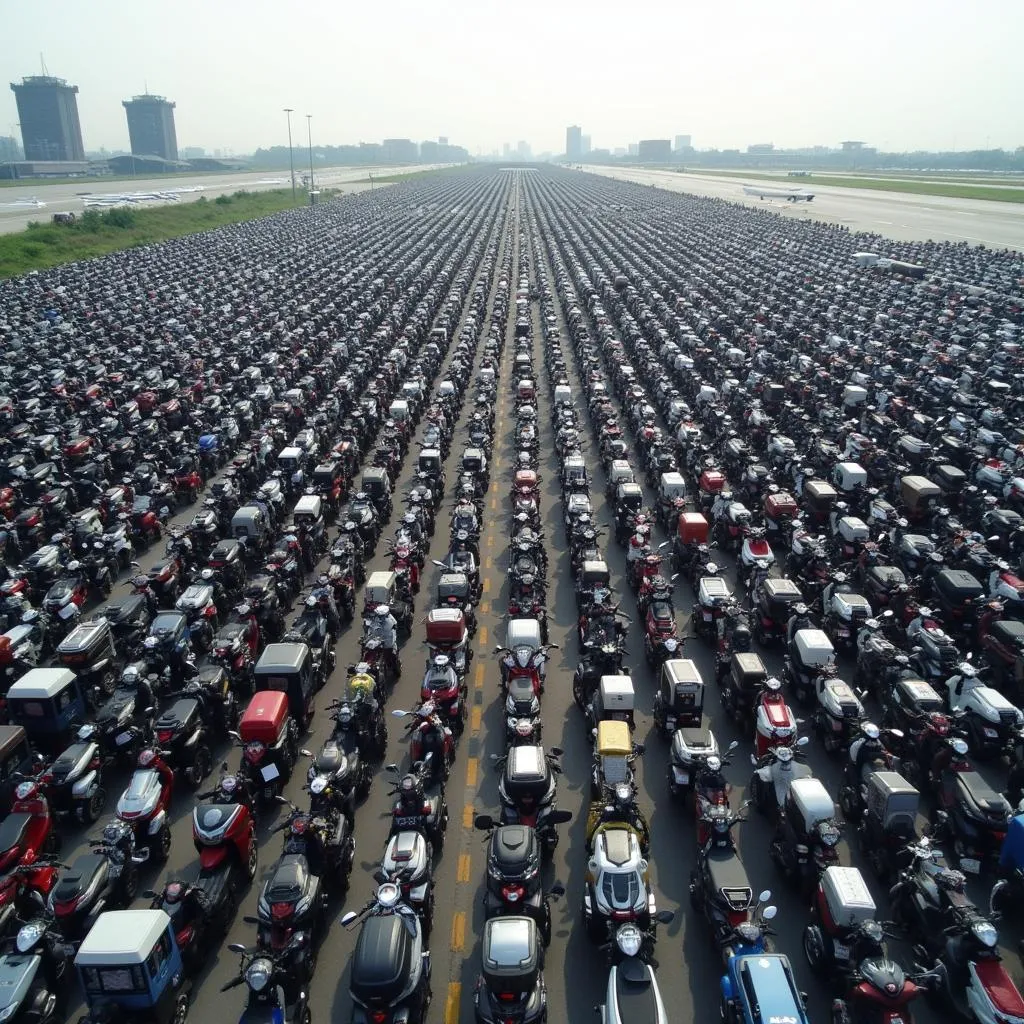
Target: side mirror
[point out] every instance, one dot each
(769, 913)
(484, 822)
(305, 752)
(560, 817)
(733, 745)
(556, 751)
(150, 894)
(391, 767)
(664, 917)
(397, 713)
(557, 890)
(348, 918)
(249, 919)
(803, 741)
(236, 947)
(765, 896)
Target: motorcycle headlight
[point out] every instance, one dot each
(629, 939)
(748, 932)
(257, 974)
(29, 935)
(318, 785)
(829, 836)
(985, 933)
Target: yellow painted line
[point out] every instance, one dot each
(451, 1005)
(494, 502)
(462, 874)
(458, 934)
(483, 639)
(475, 719)
(485, 607)
(488, 562)
(472, 768)
(490, 541)
(487, 585)
(497, 461)
(467, 816)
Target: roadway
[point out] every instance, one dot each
(897, 215)
(69, 196)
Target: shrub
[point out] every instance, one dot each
(119, 218)
(223, 200)
(90, 220)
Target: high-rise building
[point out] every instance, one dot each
(48, 112)
(573, 142)
(506, 150)
(401, 151)
(655, 151)
(682, 142)
(442, 140)
(523, 150)
(585, 146)
(151, 126)
(633, 149)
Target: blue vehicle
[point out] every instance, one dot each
(210, 454)
(1008, 892)
(751, 937)
(131, 971)
(760, 987)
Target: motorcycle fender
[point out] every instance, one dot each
(157, 822)
(85, 786)
(418, 893)
(764, 774)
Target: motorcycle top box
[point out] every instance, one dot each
(264, 717)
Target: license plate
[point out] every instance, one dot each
(971, 865)
(122, 738)
(682, 778)
(840, 951)
(270, 772)
(407, 820)
(707, 616)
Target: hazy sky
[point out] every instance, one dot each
(898, 74)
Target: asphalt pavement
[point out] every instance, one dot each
(575, 970)
(69, 197)
(893, 214)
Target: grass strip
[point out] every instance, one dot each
(98, 232)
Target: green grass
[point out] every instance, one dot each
(913, 186)
(386, 179)
(95, 233)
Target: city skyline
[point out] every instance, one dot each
(863, 71)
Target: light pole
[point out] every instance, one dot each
(309, 136)
(291, 158)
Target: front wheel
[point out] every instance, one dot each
(162, 846)
(91, 809)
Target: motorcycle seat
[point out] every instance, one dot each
(980, 797)
(68, 761)
(331, 758)
(728, 877)
(1000, 987)
(634, 994)
(82, 874)
(290, 881)
(12, 830)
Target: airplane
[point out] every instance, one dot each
(794, 195)
(30, 201)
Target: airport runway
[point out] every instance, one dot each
(68, 197)
(895, 214)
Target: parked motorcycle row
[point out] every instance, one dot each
(199, 458)
(707, 444)
(163, 692)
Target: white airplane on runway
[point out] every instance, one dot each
(31, 201)
(794, 195)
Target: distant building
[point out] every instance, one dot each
(633, 149)
(620, 151)
(851, 147)
(506, 150)
(573, 142)
(151, 126)
(523, 150)
(401, 151)
(442, 140)
(48, 112)
(193, 153)
(9, 149)
(761, 149)
(430, 152)
(585, 146)
(654, 151)
(682, 142)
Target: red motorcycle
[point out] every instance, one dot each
(644, 570)
(710, 789)
(774, 723)
(524, 660)
(188, 483)
(224, 833)
(403, 561)
(144, 804)
(17, 887)
(28, 832)
(429, 734)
